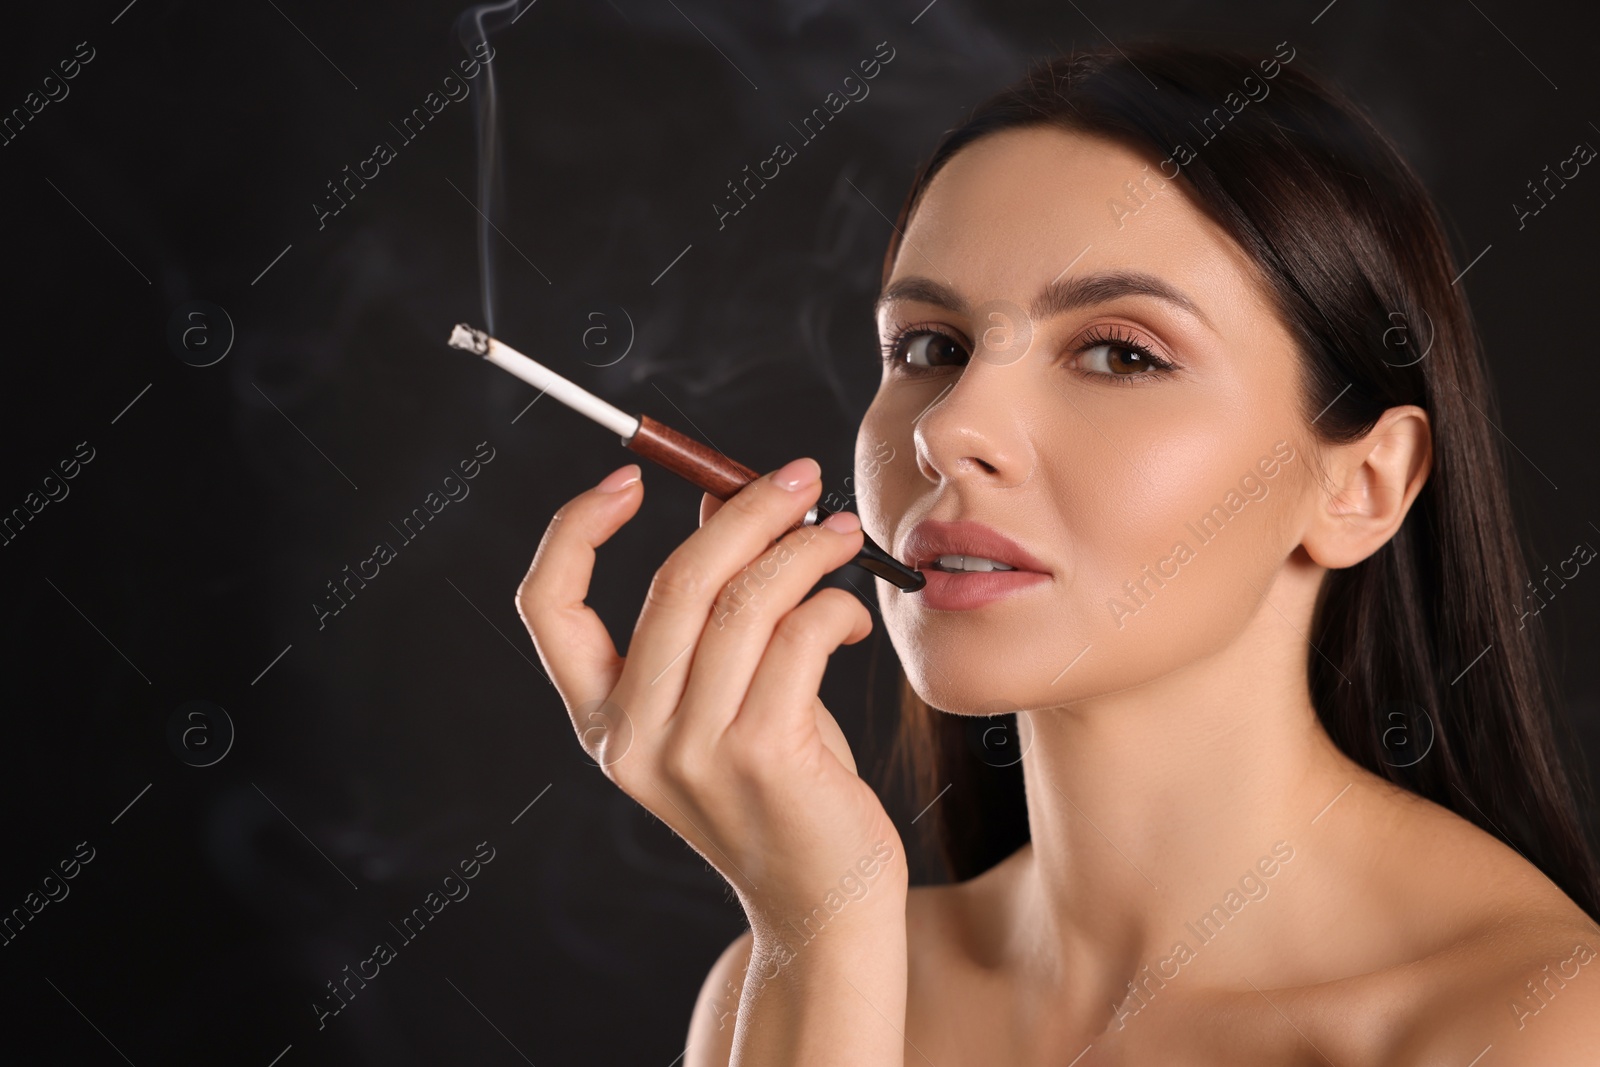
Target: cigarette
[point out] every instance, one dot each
(701, 466)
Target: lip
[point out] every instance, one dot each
(946, 591)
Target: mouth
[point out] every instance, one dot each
(968, 565)
(966, 547)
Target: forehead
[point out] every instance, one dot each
(1010, 212)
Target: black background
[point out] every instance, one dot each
(379, 750)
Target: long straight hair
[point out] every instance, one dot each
(1427, 671)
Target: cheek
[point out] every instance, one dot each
(884, 478)
(1131, 494)
(1171, 557)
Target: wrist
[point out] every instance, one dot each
(802, 1002)
(855, 909)
(876, 880)
(804, 954)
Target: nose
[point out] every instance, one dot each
(975, 431)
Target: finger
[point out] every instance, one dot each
(680, 597)
(571, 640)
(779, 708)
(745, 616)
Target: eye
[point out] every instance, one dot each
(1118, 359)
(923, 348)
(1112, 352)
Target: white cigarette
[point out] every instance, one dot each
(537, 374)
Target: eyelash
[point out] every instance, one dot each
(1111, 334)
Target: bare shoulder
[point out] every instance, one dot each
(1429, 943)
(1527, 988)
(710, 1039)
(1508, 971)
(958, 940)
(963, 923)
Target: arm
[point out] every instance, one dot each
(779, 998)
(805, 1002)
(713, 723)
(711, 1027)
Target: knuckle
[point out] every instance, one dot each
(834, 603)
(528, 589)
(555, 530)
(530, 601)
(754, 504)
(796, 631)
(526, 600)
(748, 588)
(679, 763)
(743, 586)
(837, 599)
(857, 607)
(795, 542)
(749, 760)
(676, 583)
(744, 600)
(756, 754)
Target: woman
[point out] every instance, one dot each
(1173, 340)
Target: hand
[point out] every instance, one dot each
(712, 721)
(827, 725)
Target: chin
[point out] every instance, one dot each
(961, 689)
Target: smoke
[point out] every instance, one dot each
(779, 293)
(474, 27)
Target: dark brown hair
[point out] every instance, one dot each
(1447, 692)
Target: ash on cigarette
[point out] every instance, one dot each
(469, 339)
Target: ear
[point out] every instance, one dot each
(1368, 488)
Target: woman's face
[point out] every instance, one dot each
(1159, 502)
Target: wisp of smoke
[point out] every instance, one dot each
(474, 27)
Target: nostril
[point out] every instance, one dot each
(982, 464)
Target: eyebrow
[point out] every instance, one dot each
(1057, 298)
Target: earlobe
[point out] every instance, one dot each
(1370, 486)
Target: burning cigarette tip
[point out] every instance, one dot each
(469, 339)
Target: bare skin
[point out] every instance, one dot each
(1180, 788)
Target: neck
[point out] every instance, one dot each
(1149, 806)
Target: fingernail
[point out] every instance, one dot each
(843, 521)
(620, 478)
(796, 473)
